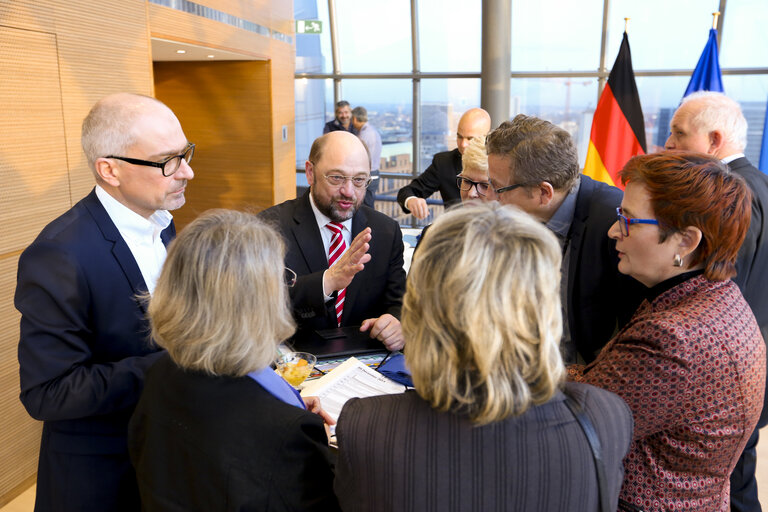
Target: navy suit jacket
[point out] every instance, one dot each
(83, 350)
(440, 175)
(375, 290)
(600, 298)
(752, 262)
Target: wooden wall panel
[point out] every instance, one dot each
(33, 158)
(19, 434)
(224, 108)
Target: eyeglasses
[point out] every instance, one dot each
(466, 184)
(358, 181)
(508, 188)
(168, 166)
(624, 222)
(290, 277)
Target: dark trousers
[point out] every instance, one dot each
(743, 483)
(370, 193)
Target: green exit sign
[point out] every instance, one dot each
(309, 26)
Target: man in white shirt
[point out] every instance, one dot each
(372, 140)
(712, 123)
(348, 257)
(84, 341)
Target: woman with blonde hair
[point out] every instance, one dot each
(216, 428)
(487, 427)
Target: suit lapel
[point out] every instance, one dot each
(120, 250)
(576, 239)
(307, 235)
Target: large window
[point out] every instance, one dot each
(416, 88)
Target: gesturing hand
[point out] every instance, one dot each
(350, 263)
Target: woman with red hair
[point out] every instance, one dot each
(691, 361)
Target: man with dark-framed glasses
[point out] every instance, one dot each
(348, 257)
(533, 165)
(84, 345)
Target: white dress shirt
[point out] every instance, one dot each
(142, 235)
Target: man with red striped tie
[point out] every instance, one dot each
(348, 257)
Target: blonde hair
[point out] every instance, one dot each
(221, 304)
(481, 314)
(474, 156)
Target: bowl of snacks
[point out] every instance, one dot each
(295, 367)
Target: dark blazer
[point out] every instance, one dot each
(375, 290)
(397, 453)
(440, 175)
(207, 443)
(83, 351)
(752, 262)
(600, 298)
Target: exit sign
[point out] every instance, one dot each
(309, 26)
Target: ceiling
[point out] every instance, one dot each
(164, 50)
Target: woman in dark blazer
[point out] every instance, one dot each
(487, 427)
(216, 428)
(691, 361)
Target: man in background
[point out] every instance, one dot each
(441, 174)
(372, 140)
(533, 165)
(343, 119)
(348, 257)
(712, 123)
(84, 343)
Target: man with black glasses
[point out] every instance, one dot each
(84, 343)
(533, 165)
(348, 257)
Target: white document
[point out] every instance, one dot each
(351, 379)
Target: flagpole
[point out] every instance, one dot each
(626, 25)
(715, 15)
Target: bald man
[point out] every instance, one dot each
(441, 174)
(84, 340)
(358, 281)
(712, 123)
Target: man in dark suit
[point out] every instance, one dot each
(84, 344)
(533, 165)
(343, 119)
(712, 123)
(348, 257)
(441, 174)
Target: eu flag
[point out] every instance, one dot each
(706, 76)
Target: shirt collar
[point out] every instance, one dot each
(561, 221)
(322, 219)
(731, 158)
(130, 223)
(277, 386)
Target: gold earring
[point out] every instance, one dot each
(678, 261)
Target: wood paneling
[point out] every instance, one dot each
(225, 109)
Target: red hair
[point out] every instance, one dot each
(694, 189)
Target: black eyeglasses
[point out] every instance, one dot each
(290, 277)
(168, 166)
(467, 184)
(624, 222)
(508, 188)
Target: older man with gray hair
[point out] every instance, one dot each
(712, 123)
(372, 140)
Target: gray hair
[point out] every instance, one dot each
(538, 151)
(716, 111)
(360, 114)
(492, 350)
(108, 127)
(221, 304)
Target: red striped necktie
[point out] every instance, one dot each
(336, 249)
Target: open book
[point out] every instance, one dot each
(351, 379)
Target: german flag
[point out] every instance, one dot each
(617, 133)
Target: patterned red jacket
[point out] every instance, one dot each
(691, 366)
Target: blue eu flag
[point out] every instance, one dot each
(706, 76)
